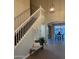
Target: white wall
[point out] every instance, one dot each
(42, 31)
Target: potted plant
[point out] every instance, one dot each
(41, 41)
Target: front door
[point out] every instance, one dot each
(59, 32)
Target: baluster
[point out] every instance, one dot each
(24, 30)
(19, 36)
(21, 32)
(15, 38)
(25, 27)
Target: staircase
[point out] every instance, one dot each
(26, 33)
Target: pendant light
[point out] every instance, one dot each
(51, 6)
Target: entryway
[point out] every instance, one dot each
(59, 32)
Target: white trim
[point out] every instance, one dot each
(15, 57)
(18, 56)
(26, 56)
(23, 57)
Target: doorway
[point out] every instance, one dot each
(59, 32)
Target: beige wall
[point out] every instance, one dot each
(59, 5)
(19, 7)
(59, 13)
(58, 16)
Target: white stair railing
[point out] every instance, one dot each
(18, 20)
(25, 43)
(22, 29)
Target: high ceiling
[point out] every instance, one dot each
(59, 5)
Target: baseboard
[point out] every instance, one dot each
(18, 57)
(29, 54)
(26, 56)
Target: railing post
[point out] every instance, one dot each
(40, 10)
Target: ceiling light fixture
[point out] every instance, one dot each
(52, 9)
(51, 6)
